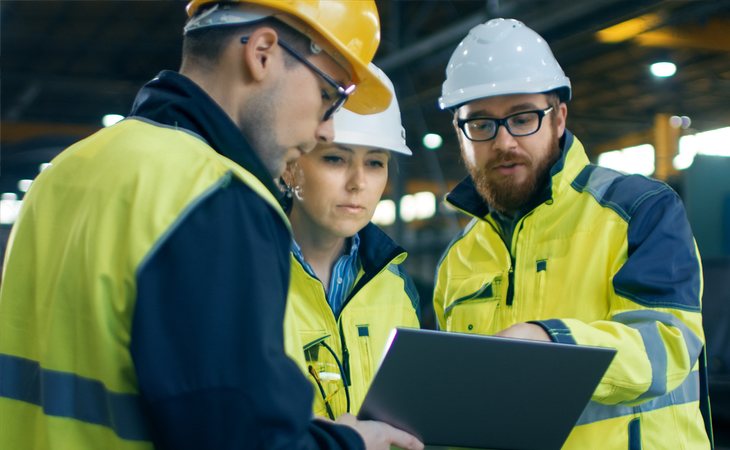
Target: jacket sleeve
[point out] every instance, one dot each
(655, 321)
(207, 334)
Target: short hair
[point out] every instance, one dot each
(553, 98)
(206, 45)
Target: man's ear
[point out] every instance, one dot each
(562, 116)
(259, 51)
(457, 130)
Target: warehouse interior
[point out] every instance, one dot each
(67, 64)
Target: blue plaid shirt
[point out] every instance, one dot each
(343, 276)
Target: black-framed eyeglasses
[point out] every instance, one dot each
(341, 93)
(519, 124)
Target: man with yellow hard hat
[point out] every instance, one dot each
(145, 281)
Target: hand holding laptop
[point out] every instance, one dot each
(525, 330)
(465, 390)
(379, 435)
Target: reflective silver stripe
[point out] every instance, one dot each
(598, 183)
(645, 321)
(687, 392)
(657, 357)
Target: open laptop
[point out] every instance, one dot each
(472, 391)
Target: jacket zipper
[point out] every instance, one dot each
(511, 269)
(345, 356)
(511, 282)
(345, 351)
(513, 261)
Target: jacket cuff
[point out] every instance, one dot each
(557, 330)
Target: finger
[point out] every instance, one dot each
(404, 440)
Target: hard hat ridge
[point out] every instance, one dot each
(501, 57)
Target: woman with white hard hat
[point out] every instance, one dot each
(347, 289)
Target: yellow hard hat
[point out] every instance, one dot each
(352, 28)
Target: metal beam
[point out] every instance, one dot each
(421, 49)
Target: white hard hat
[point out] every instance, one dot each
(381, 130)
(501, 57)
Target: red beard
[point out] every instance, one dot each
(506, 194)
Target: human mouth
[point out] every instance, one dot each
(351, 208)
(508, 168)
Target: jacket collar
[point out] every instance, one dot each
(466, 198)
(377, 250)
(174, 100)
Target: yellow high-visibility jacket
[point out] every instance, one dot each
(382, 298)
(601, 259)
(144, 291)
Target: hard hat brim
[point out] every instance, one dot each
(371, 141)
(371, 95)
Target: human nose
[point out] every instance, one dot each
(325, 132)
(356, 179)
(504, 139)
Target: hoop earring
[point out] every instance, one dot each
(299, 192)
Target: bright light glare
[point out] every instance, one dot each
(663, 69)
(110, 119)
(9, 208)
(432, 141)
(713, 142)
(24, 185)
(384, 213)
(639, 159)
(417, 206)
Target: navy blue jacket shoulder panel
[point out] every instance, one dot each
(207, 337)
(662, 269)
(207, 331)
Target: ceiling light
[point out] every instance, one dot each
(110, 119)
(24, 185)
(432, 141)
(663, 69)
(384, 213)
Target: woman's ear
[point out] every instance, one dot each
(288, 175)
(258, 52)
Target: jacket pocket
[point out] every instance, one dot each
(366, 356)
(540, 281)
(475, 312)
(323, 367)
(635, 434)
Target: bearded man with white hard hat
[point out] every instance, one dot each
(561, 250)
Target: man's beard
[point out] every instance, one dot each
(506, 195)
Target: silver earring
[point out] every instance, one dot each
(299, 192)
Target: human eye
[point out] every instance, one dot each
(333, 159)
(376, 163)
(523, 120)
(480, 124)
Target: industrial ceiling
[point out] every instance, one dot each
(67, 63)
